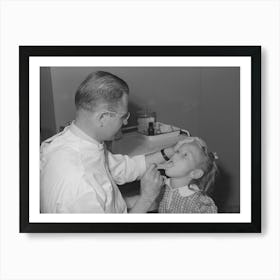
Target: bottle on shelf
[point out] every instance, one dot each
(151, 130)
(144, 117)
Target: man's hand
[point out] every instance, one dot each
(151, 183)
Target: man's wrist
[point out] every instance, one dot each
(169, 152)
(146, 199)
(142, 205)
(164, 155)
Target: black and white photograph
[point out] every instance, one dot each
(162, 109)
(133, 132)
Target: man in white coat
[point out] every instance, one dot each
(78, 174)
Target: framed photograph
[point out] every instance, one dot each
(140, 139)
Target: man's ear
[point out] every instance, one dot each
(196, 174)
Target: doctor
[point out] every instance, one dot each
(78, 174)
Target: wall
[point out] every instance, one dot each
(219, 119)
(203, 100)
(47, 114)
(164, 90)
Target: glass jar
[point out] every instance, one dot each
(143, 119)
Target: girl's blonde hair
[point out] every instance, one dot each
(208, 166)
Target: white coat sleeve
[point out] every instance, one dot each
(126, 169)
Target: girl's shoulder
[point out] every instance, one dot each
(202, 203)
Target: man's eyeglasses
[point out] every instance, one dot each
(124, 117)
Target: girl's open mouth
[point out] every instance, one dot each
(166, 165)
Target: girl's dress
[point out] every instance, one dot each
(182, 200)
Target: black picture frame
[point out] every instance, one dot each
(254, 52)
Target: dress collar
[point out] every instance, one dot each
(78, 132)
(184, 191)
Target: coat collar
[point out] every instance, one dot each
(79, 133)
